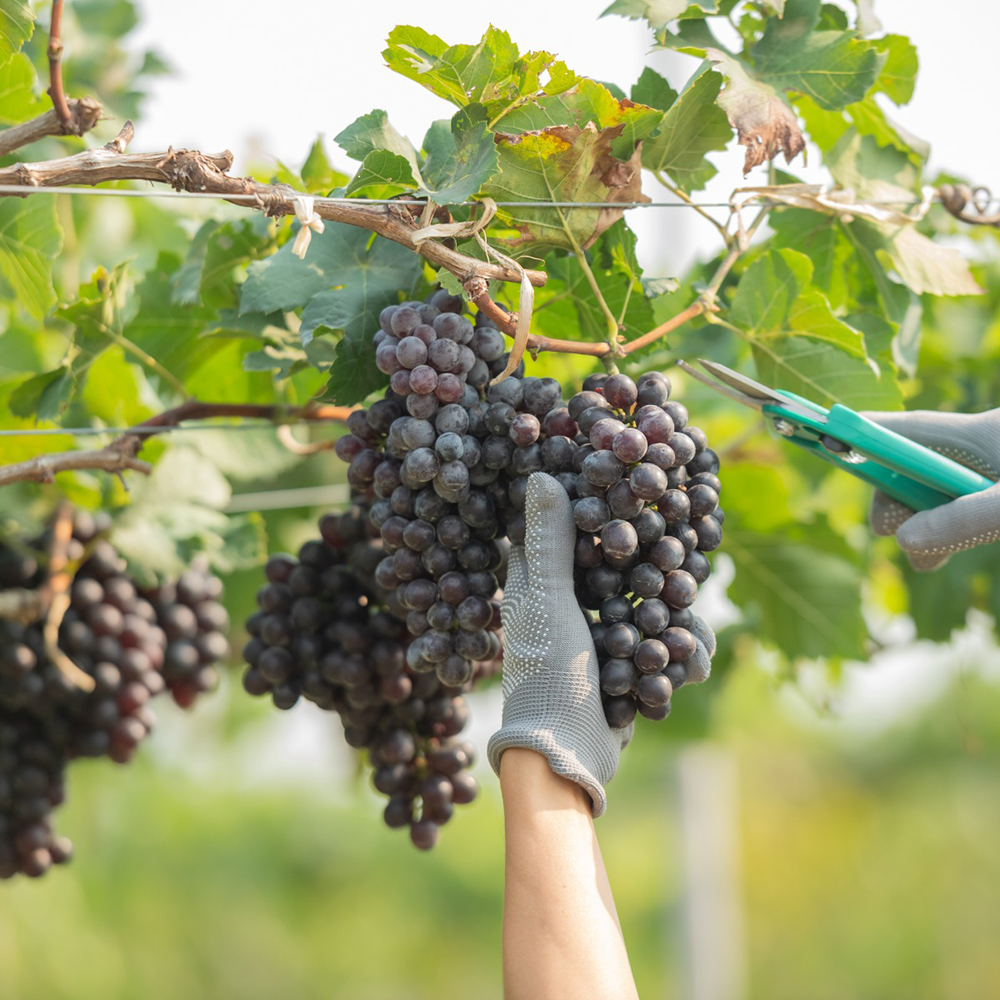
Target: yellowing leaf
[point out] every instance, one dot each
(563, 163)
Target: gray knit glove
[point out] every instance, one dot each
(551, 687)
(929, 537)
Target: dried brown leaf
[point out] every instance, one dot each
(764, 123)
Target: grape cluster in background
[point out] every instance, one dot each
(135, 644)
(324, 632)
(393, 612)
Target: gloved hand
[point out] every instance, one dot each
(929, 537)
(551, 687)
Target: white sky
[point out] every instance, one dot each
(260, 78)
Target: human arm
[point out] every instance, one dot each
(561, 935)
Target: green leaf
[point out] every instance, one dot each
(562, 163)
(799, 345)
(492, 72)
(940, 601)
(619, 278)
(881, 174)
(317, 173)
(869, 119)
(808, 597)
(16, 25)
(373, 132)
(659, 13)
(30, 239)
(108, 18)
(176, 515)
(898, 75)
(822, 240)
(43, 397)
(460, 160)
(693, 126)
(354, 376)
(187, 280)
(230, 248)
(825, 374)
(589, 101)
(922, 265)
(339, 256)
(831, 67)
(169, 331)
(389, 173)
(370, 279)
(18, 99)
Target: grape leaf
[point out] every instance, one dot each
(492, 72)
(562, 163)
(318, 176)
(588, 101)
(659, 13)
(460, 160)
(799, 345)
(168, 330)
(17, 22)
(354, 376)
(898, 75)
(831, 67)
(30, 239)
(187, 279)
(808, 597)
(44, 396)
(389, 173)
(618, 276)
(230, 248)
(340, 256)
(940, 601)
(176, 514)
(692, 126)
(879, 173)
(373, 132)
(370, 279)
(764, 123)
(18, 99)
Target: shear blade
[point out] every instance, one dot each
(741, 383)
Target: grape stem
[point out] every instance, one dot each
(56, 92)
(56, 599)
(706, 303)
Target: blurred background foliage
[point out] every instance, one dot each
(242, 855)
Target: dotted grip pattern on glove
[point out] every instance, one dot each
(930, 537)
(551, 687)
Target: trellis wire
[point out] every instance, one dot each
(17, 189)
(262, 425)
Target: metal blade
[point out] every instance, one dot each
(741, 383)
(720, 387)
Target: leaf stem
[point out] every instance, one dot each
(678, 193)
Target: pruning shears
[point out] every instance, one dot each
(906, 471)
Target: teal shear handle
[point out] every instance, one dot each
(908, 472)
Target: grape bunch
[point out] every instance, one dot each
(195, 625)
(112, 632)
(386, 622)
(450, 475)
(324, 631)
(32, 785)
(646, 507)
(440, 505)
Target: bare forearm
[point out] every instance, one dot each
(561, 936)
